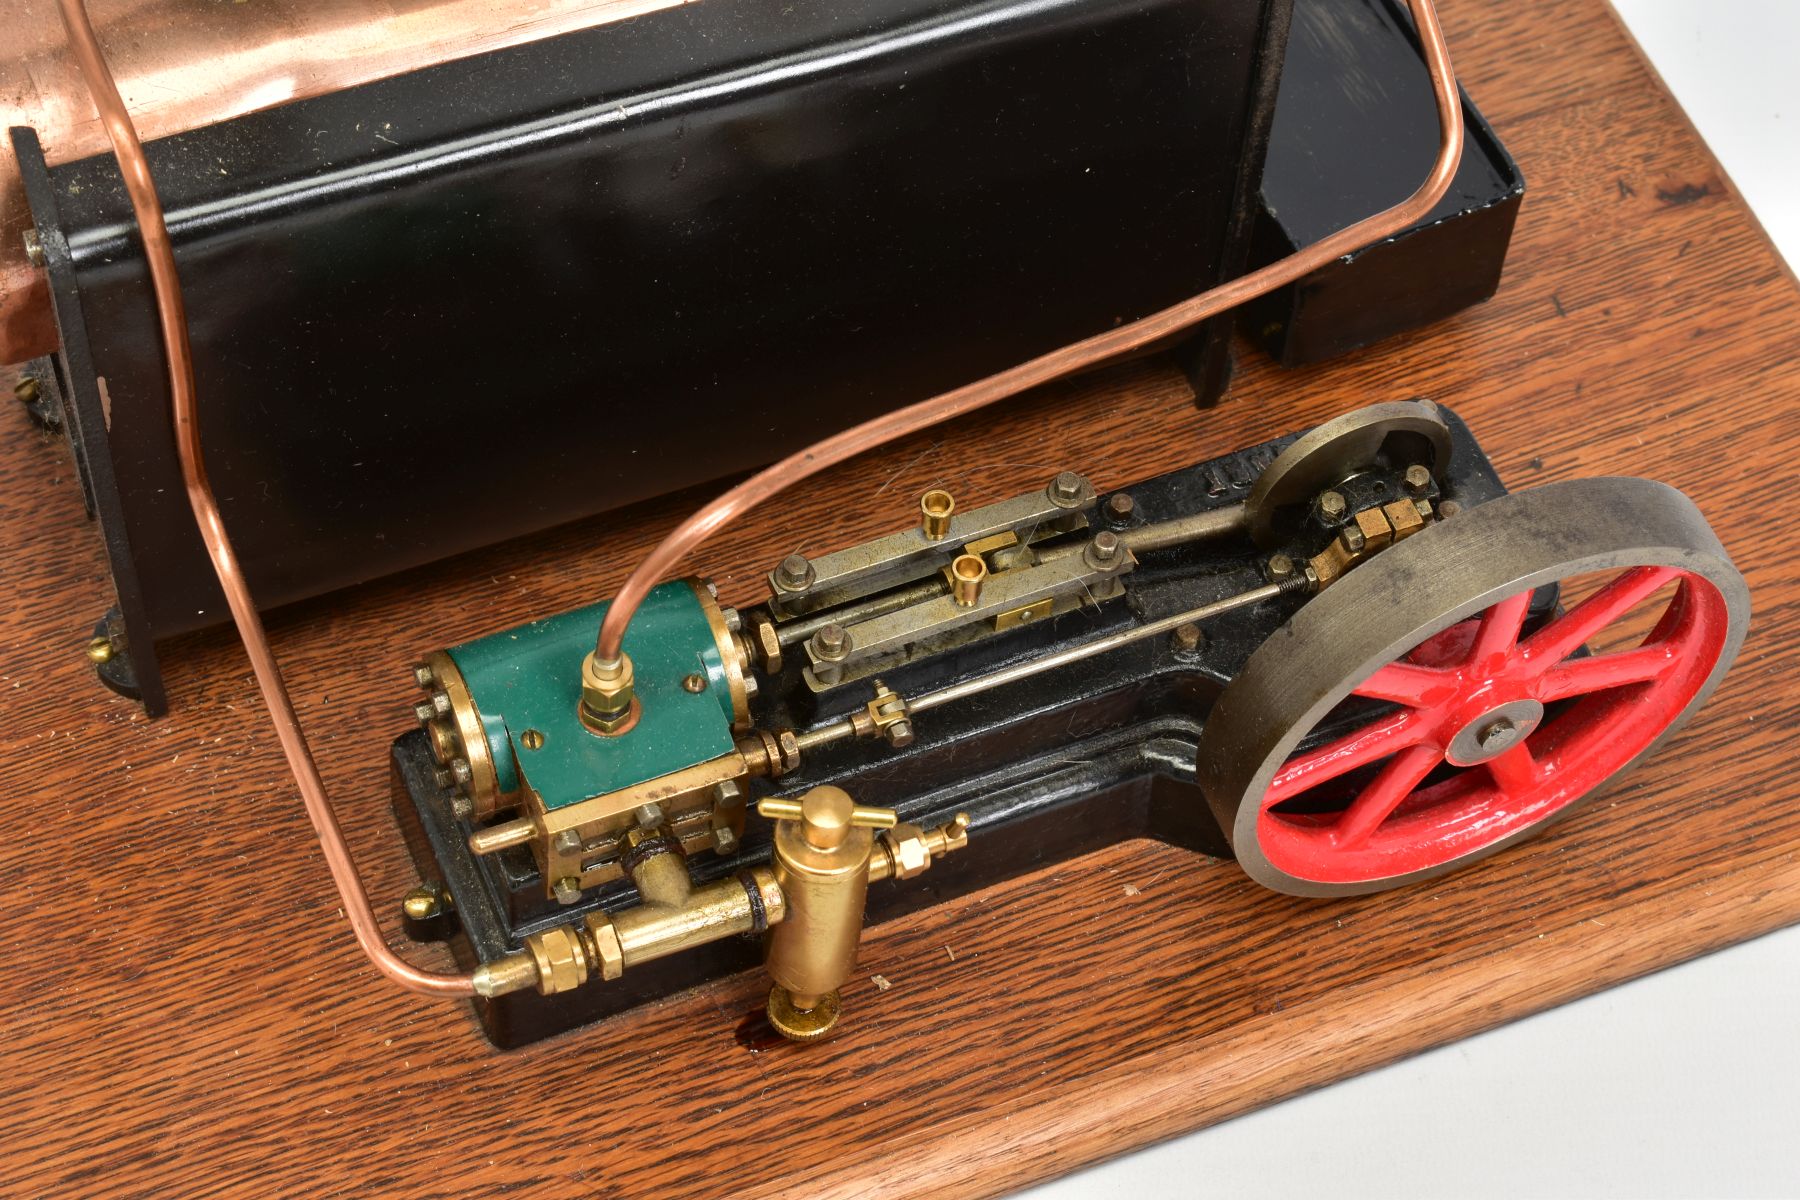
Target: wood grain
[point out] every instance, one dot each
(185, 1013)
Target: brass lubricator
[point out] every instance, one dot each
(810, 901)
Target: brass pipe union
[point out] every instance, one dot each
(608, 695)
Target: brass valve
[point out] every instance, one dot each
(825, 856)
(810, 900)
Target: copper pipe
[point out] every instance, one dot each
(687, 536)
(171, 314)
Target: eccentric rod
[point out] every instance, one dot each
(686, 537)
(171, 314)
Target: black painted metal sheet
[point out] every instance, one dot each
(449, 308)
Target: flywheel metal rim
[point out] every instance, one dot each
(1418, 588)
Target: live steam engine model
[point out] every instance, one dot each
(1349, 658)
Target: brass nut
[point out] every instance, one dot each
(562, 965)
(607, 692)
(603, 940)
(911, 856)
(787, 752)
(766, 643)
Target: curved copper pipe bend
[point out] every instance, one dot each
(172, 317)
(171, 314)
(1076, 356)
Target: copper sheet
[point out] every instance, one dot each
(182, 64)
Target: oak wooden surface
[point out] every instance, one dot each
(184, 1011)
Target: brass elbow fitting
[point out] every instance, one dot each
(609, 704)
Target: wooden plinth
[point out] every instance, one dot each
(184, 1012)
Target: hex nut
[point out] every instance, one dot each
(603, 940)
(1332, 506)
(1418, 478)
(766, 642)
(907, 844)
(1065, 490)
(788, 749)
(562, 965)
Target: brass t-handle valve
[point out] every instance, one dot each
(827, 815)
(825, 852)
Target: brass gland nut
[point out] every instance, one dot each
(906, 845)
(603, 941)
(607, 693)
(561, 960)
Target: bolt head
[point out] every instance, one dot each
(27, 390)
(1418, 478)
(424, 677)
(1498, 734)
(695, 683)
(900, 733)
(832, 641)
(567, 842)
(1187, 638)
(1280, 567)
(1121, 507)
(1354, 540)
(422, 904)
(1106, 550)
(100, 651)
(424, 713)
(725, 841)
(1448, 508)
(1065, 490)
(1333, 506)
(459, 771)
(567, 890)
(795, 573)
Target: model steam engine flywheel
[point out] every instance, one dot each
(1350, 659)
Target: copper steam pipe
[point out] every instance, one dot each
(171, 314)
(688, 536)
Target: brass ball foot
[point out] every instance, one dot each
(799, 1025)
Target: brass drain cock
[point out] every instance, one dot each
(810, 900)
(825, 855)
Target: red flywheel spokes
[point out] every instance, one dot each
(1532, 727)
(1419, 713)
